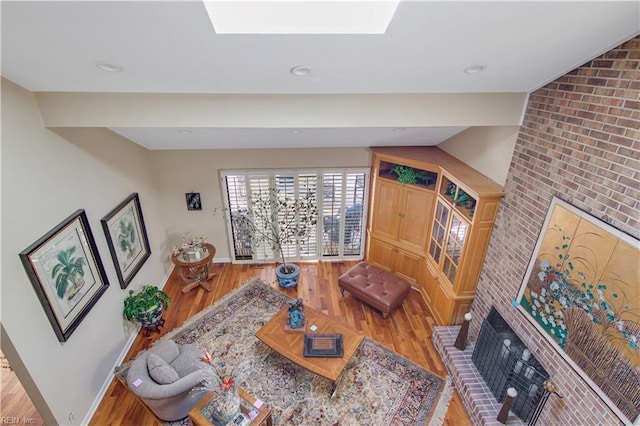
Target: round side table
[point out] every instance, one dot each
(195, 273)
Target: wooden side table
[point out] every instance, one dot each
(263, 417)
(196, 273)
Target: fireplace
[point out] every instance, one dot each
(504, 362)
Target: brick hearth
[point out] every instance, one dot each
(476, 396)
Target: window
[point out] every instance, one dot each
(341, 195)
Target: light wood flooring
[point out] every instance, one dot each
(15, 405)
(407, 330)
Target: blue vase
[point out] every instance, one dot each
(288, 280)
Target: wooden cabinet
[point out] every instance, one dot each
(401, 214)
(433, 231)
(392, 258)
(399, 220)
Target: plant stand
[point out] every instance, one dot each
(156, 322)
(155, 328)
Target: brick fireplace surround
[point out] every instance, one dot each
(476, 395)
(579, 141)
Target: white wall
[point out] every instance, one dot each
(179, 172)
(486, 149)
(45, 178)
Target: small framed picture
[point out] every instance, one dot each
(66, 272)
(193, 201)
(127, 238)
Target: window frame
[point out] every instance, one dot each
(320, 232)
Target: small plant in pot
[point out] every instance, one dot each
(278, 220)
(146, 307)
(405, 174)
(410, 175)
(465, 200)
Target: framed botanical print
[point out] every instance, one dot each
(66, 273)
(127, 238)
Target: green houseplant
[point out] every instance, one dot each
(277, 220)
(408, 174)
(405, 174)
(465, 200)
(146, 306)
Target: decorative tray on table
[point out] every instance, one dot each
(323, 345)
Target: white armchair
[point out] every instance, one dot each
(168, 379)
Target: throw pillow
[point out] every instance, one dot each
(167, 350)
(161, 372)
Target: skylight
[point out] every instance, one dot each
(301, 17)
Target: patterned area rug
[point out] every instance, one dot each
(378, 387)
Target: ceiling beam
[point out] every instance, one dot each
(67, 109)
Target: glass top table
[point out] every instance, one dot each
(195, 271)
(201, 414)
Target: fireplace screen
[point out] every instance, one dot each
(504, 362)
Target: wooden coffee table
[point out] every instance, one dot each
(290, 344)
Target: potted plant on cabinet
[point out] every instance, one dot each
(410, 175)
(146, 307)
(277, 220)
(465, 200)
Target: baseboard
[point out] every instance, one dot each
(166, 276)
(123, 353)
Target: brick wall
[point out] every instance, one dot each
(580, 140)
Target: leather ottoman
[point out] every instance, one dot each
(375, 287)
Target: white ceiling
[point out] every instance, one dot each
(171, 47)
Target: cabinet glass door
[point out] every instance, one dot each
(438, 231)
(455, 243)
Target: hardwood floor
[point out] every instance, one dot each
(15, 405)
(407, 330)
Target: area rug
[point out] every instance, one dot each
(378, 387)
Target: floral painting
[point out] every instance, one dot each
(582, 291)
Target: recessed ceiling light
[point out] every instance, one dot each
(474, 69)
(296, 131)
(185, 131)
(300, 17)
(301, 70)
(109, 67)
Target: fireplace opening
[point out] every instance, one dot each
(504, 362)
